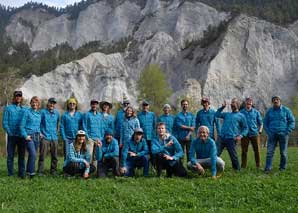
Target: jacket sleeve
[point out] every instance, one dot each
(219, 113)
(62, 132)
(115, 151)
(124, 154)
(197, 121)
(178, 150)
(244, 127)
(5, 121)
(213, 157)
(266, 123)
(156, 147)
(72, 156)
(98, 153)
(144, 149)
(23, 124)
(192, 153)
(85, 124)
(290, 121)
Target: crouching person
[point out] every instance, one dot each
(135, 154)
(78, 157)
(203, 154)
(167, 152)
(107, 154)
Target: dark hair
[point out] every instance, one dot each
(184, 100)
(134, 114)
(84, 145)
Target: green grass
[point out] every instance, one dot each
(247, 191)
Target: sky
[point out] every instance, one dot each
(57, 3)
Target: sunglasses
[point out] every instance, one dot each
(72, 103)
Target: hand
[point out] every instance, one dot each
(170, 143)
(224, 104)
(167, 157)
(122, 170)
(200, 168)
(238, 139)
(120, 145)
(86, 175)
(103, 159)
(132, 154)
(41, 136)
(28, 138)
(98, 143)
(187, 138)
(191, 129)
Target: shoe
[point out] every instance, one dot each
(267, 171)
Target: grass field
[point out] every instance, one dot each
(247, 191)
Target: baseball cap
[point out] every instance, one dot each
(52, 100)
(17, 93)
(138, 130)
(94, 101)
(81, 132)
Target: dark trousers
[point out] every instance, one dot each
(185, 146)
(137, 162)
(255, 142)
(12, 143)
(44, 145)
(177, 168)
(230, 144)
(76, 168)
(104, 166)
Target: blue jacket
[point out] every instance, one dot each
(70, 125)
(254, 121)
(200, 150)
(108, 122)
(175, 150)
(107, 150)
(77, 157)
(30, 122)
(234, 124)
(93, 125)
(207, 118)
(147, 123)
(12, 116)
(187, 119)
(118, 122)
(49, 124)
(127, 129)
(140, 149)
(169, 121)
(279, 121)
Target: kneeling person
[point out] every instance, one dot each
(167, 152)
(203, 154)
(135, 154)
(107, 154)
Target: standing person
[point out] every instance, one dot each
(119, 119)
(206, 117)
(167, 152)
(203, 154)
(93, 126)
(107, 118)
(279, 122)
(185, 124)
(167, 118)
(78, 157)
(107, 155)
(30, 131)
(49, 129)
(71, 122)
(255, 126)
(135, 154)
(234, 128)
(147, 122)
(12, 116)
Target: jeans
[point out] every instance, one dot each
(230, 144)
(32, 148)
(44, 145)
(12, 143)
(206, 164)
(137, 162)
(283, 148)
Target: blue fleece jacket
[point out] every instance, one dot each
(254, 121)
(93, 125)
(30, 122)
(187, 119)
(140, 149)
(49, 124)
(207, 118)
(127, 129)
(169, 121)
(147, 123)
(11, 121)
(70, 125)
(107, 150)
(118, 122)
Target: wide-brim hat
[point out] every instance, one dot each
(102, 103)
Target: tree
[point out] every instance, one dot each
(153, 87)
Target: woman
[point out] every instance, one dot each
(30, 131)
(78, 157)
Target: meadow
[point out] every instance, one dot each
(247, 191)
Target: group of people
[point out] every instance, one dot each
(96, 141)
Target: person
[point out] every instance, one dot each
(147, 122)
(234, 128)
(30, 131)
(71, 122)
(203, 154)
(119, 119)
(167, 118)
(107, 118)
(185, 124)
(49, 136)
(107, 155)
(93, 126)
(78, 157)
(279, 122)
(135, 154)
(167, 152)
(12, 116)
(206, 117)
(255, 126)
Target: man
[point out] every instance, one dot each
(167, 118)
(203, 154)
(206, 117)
(255, 125)
(107, 118)
(167, 153)
(49, 134)
(12, 116)
(107, 155)
(278, 123)
(234, 128)
(185, 124)
(93, 126)
(135, 154)
(119, 119)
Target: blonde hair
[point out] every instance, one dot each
(35, 98)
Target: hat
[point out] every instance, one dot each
(81, 132)
(17, 93)
(94, 101)
(205, 99)
(167, 106)
(52, 100)
(126, 102)
(275, 97)
(109, 132)
(145, 103)
(138, 130)
(71, 100)
(248, 98)
(102, 103)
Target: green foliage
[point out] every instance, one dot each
(153, 87)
